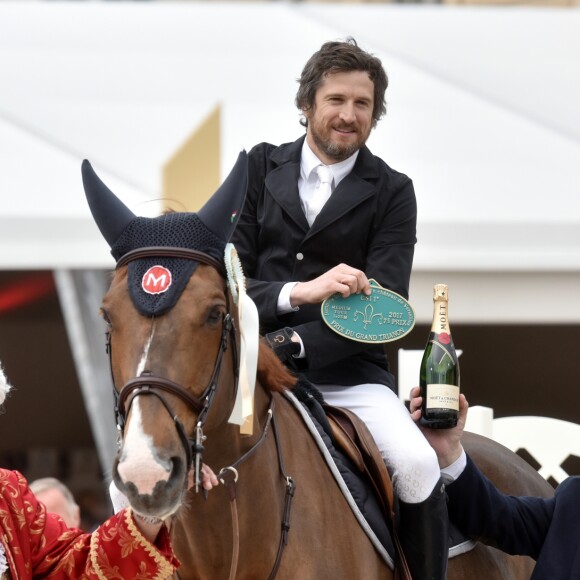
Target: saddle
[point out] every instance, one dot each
(356, 452)
(356, 441)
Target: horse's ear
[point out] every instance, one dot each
(223, 209)
(110, 213)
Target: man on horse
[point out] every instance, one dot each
(545, 529)
(324, 215)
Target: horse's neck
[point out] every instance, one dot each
(262, 397)
(226, 443)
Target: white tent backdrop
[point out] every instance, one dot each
(481, 114)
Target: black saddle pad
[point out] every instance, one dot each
(360, 488)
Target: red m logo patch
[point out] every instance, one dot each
(156, 280)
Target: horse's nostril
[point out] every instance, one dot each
(177, 466)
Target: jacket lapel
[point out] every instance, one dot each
(282, 182)
(355, 188)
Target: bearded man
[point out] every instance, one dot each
(324, 215)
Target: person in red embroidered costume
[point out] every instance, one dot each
(35, 543)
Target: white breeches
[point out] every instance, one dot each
(410, 459)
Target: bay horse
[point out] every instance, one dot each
(175, 341)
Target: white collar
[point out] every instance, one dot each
(309, 161)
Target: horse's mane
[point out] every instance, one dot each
(272, 374)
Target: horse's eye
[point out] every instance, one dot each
(215, 316)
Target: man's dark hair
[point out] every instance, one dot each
(341, 56)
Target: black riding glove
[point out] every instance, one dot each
(282, 344)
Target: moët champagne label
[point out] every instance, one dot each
(443, 397)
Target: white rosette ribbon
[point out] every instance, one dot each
(243, 411)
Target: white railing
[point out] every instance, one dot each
(548, 440)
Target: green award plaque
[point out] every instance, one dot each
(383, 316)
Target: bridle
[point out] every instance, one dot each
(149, 384)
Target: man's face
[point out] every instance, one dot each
(341, 119)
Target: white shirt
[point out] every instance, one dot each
(308, 181)
(453, 471)
(307, 184)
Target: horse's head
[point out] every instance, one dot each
(172, 336)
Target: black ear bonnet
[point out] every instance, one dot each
(156, 283)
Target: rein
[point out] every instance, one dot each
(230, 485)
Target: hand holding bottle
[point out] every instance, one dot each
(445, 442)
(439, 375)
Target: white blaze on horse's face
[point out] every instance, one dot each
(145, 355)
(139, 463)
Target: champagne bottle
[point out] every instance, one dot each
(439, 378)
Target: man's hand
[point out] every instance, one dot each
(445, 442)
(209, 479)
(342, 279)
(285, 343)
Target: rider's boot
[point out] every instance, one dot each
(424, 535)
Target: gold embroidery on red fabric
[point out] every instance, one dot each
(68, 554)
(12, 484)
(165, 568)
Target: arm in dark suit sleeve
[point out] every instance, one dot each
(516, 525)
(389, 261)
(246, 241)
(392, 246)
